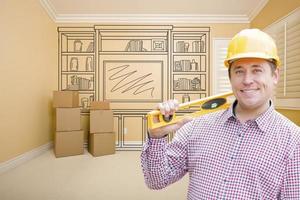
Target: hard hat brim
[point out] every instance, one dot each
(227, 62)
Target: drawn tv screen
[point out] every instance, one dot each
(133, 81)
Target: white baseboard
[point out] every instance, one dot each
(12, 163)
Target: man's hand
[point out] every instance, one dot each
(167, 109)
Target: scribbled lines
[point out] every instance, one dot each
(125, 82)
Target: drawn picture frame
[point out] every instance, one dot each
(133, 80)
(158, 45)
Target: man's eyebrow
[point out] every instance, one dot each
(237, 67)
(256, 66)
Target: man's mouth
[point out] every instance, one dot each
(248, 91)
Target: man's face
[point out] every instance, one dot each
(252, 82)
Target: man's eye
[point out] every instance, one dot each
(238, 71)
(257, 70)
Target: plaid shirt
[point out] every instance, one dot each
(225, 159)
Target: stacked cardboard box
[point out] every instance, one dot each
(102, 136)
(68, 138)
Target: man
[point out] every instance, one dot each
(248, 151)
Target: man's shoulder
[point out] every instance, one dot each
(283, 120)
(286, 125)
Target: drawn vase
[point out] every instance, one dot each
(77, 46)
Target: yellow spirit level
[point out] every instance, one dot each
(200, 107)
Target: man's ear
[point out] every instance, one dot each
(229, 69)
(276, 76)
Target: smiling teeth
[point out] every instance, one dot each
(249, 90)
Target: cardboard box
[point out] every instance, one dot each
(68, 119)
(68, 143)
(102, 144)
(101, 121)
(99, 105)
(65, 99)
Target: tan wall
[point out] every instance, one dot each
(226, 30)
(273, 11)
(28, 68)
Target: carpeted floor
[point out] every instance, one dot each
(84, 177)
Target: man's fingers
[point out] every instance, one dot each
(176, 104)
(161, 108)
(171, 105)
(167, 109)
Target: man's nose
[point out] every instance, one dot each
(248, 78)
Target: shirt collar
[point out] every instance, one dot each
(263, 121)
(229, 113)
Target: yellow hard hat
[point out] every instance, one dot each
(252, 43)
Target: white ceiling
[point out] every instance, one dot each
(191, 11)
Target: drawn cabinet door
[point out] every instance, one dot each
(117, 129)
(133, 130)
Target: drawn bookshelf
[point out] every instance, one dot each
(77, 63)
(134, 67)
(189, 63)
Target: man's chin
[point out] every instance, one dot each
(248, 95)
(248, 104)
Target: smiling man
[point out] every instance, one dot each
(253, 81)
(248, 151)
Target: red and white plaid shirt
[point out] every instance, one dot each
(225, 159)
